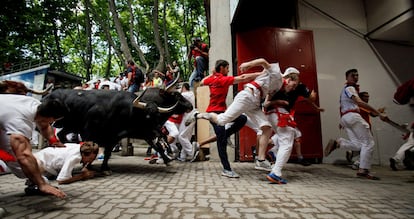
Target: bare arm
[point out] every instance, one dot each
(23, 151)
(129, 78)
(205, 54)
(274, 103)
(256, 62)
(311, 100)
(46, 130)
(368, 107)
(86, 174)
(246, 77)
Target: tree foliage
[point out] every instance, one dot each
(97, 37)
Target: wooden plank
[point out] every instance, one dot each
(203, 126)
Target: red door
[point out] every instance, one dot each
(291, 48)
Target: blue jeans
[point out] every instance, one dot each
(222, 134)
(197, 74)
(133, 88)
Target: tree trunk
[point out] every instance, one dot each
(88, 29)
(134, 41)
(157, 40)
(108, 65)
(121, 34)
(57, 43)
(187, 66)
(104, 24)
(164, 27)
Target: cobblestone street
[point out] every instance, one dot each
(137, 189)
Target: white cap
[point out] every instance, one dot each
(290, 70)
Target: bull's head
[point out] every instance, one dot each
(168, 97)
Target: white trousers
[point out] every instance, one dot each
(400, 154)
(244, 102)
(173, 132)
(283, 139)
(360, 138)
(185, 136)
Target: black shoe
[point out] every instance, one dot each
(392, 164)
(304, 162)
(33, 190)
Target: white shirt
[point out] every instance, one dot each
(17, 113)
(346, 101)
(59, 161)
(270, 81)
(124, 82)
(112, 85)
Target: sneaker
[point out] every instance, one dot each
(100, 157)
(367, 174)
(195, 156)
(393, 164)
(152, 157)
(230, 174)
(181, 159)
(196, 147)
(263, 165)
(117, 148)
(355, 166)
(331, 146)
(160, 161)
(349, 155)
(275, 179)
(191, 117)
(33, 190)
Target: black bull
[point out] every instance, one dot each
(106, 117)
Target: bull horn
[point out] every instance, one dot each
(41, 92)
(142, 105)
(171, 87)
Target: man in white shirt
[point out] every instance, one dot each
(18, 116)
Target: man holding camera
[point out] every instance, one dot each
(199, 51)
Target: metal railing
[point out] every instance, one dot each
(23, 66)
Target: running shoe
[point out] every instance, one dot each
(230, 174)
(275, 179)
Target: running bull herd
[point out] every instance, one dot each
(106, 116)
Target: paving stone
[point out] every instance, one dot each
(137, 189)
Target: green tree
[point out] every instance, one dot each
(97, 37)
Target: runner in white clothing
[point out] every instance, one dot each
(357, 129)
(249, 100)
(18, 116)
(61, 161)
